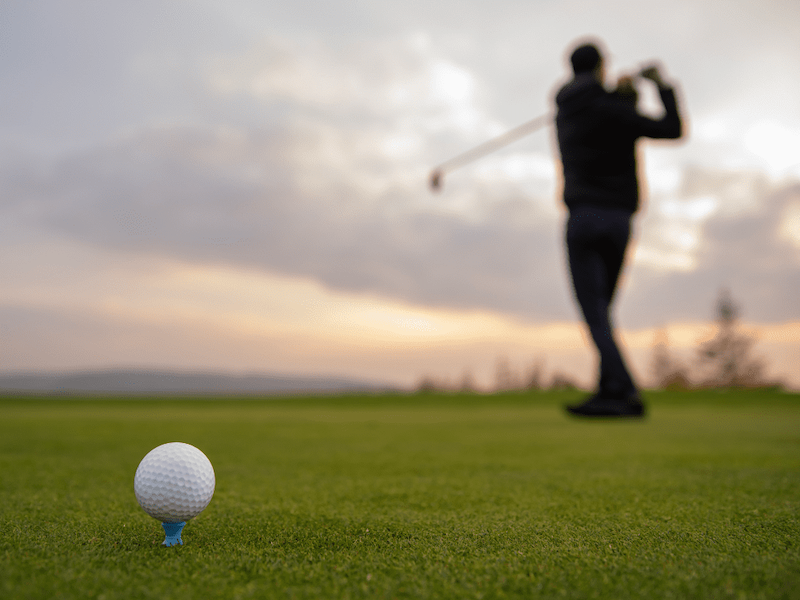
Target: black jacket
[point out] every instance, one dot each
(597, 133)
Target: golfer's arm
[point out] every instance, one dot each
(670, 126)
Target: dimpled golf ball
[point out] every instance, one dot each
(174, 482)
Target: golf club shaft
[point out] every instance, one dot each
(494, 144)
(436, 179)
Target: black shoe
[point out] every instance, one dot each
(598, 406)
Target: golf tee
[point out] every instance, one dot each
(173, 532)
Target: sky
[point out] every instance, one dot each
(242, 185)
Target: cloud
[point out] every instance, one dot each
(238, 198)
(402, 86)
(241, 198)
(743, 237)
(304, 150)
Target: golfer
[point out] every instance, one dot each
(597, 133)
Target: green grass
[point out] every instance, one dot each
(429, 496)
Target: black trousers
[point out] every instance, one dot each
(596, 242)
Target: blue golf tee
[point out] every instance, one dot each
(173, 531)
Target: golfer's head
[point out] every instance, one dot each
(586, 59)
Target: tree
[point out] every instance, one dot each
(427, 384)
(468, 382)
(505, 378)
(562, 381)
(726, 358)
(535, 377)
(668, 374)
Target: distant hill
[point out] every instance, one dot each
(142, 381)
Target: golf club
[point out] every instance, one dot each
(436, 179)
(437, 175)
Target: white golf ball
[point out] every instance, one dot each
(174, 482)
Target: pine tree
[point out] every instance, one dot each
(726, 358)
(668, 374)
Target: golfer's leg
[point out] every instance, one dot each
(588, 271)
(616, 377)
(617, 236)
(615, 380)
(593, 285)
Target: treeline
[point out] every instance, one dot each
(724, 361)
(506, 379)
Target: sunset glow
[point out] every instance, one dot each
(242, 186)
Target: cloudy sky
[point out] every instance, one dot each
(241, 185)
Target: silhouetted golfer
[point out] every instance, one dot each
(597, 133)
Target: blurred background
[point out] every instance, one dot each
(241, 186)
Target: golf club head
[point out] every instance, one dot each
(436, 180)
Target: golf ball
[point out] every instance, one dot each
(174, 482)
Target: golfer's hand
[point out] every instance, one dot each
(653, 73)
(625, 85)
